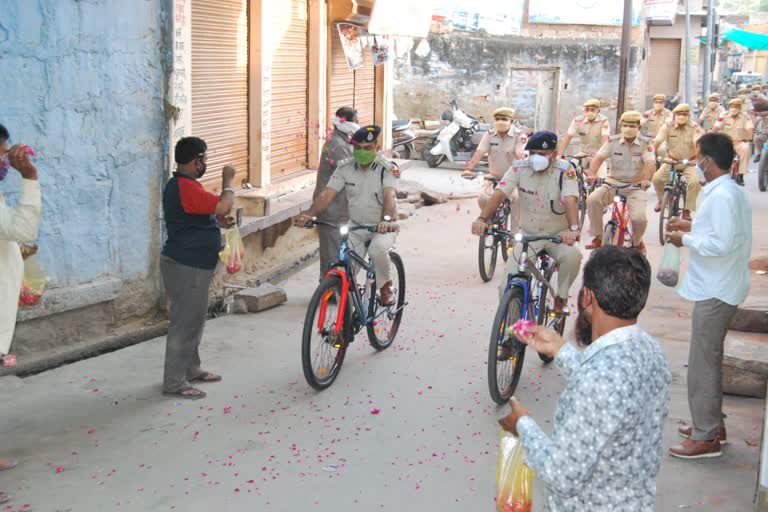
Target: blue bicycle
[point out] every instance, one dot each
(529, 295)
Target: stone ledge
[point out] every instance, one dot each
(59, 300)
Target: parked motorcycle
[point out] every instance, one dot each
(457, 140)
(403, 138)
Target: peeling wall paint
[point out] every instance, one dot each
(82, 83)
(483, 73)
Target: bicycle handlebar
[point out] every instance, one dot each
(317, 222)
(526, 239)
(622, 187)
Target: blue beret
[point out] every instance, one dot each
(368, 133)
(542, 140)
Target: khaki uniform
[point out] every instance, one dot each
(709, 116)
(365, 194)
(681, 145)
(590, 135)
(501, 151)
(737, 128)
(539, 192)
(627, 162)
(652, 122)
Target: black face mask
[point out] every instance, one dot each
(201, 172)
(583, 329)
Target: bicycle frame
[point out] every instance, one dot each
(526, 273)
(619, 217)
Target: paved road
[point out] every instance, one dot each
(97, 435)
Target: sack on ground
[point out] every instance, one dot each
(234, 251)
(669, 269)
(514, 480)
(33, 283)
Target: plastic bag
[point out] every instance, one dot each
(514, 480)
(234, 251)
(669, 269)
(33, 282)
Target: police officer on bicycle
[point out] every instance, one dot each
(592, 128)
(548, 191)
(632, 161)
(370, 186)
(680, 136)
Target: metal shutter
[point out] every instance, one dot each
(365, 89)
(341, 81)
(663, 66)
(290, 84)
(220, 85)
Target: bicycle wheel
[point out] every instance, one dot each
(609, 234)
(385, 320)
(503, 247)
(546, 306)
(667, 205)
(322, 351)
(582, 204)
(504, 375)
(487, 253)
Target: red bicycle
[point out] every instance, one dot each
(618, 230)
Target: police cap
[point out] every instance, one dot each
(368, 133)
(543, 140)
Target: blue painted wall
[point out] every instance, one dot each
(81, 81)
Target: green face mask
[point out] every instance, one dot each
(364, 157)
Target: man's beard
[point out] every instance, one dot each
(583, 328)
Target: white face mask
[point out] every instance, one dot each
(700, 172)
(539, 162)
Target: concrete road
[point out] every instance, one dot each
(98, 436)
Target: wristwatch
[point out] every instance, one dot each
(387, 218)
(574, 227)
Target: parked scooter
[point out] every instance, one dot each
(403, 138)
(457, 140)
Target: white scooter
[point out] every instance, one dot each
(457, 140)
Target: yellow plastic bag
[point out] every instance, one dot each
(234, 251)
(34, 282)
(514, 480)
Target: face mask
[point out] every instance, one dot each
(539, 162)
(658, 107)
(700, 171)
(363, 156)
(502, 126)
(591, 116)
(5, 164)
(583, 329)
(346, 127)
(734, 111)
(713, 104)
(629, 132)
(681, 120)
(201, 172)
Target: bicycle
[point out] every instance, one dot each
(528, 295)
(585, 188)
(488, 247)
(330, 318)
(675, 192)
(618, 230)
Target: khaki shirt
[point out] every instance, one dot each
(627, 160)
(681, 140)
(590, 133)
(653, 121)
(736, 127)
(539, 193)
(501, 151)
(709, 116)
(364, 188)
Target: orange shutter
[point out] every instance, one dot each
(290, 84)
(220, 85)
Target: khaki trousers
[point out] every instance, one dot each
(601, 197)
(742, 149)
(694, 187)
(568, 264)
(381, 243)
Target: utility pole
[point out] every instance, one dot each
(688, 93)
(708, 50)
(624, 62)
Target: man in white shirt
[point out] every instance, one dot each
(719, 243)
(17, 225)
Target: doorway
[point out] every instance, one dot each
(534, 94)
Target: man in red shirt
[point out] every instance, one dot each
(188, 261)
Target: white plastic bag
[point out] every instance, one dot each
(669, 269)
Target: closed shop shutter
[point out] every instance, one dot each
(290, 81)
(220, 85)
(663, 66)
(351, 88)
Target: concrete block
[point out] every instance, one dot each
(262, 297)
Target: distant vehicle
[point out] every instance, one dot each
(742, 79)
(457, 140)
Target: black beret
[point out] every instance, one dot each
(367, 134)
(542, 140)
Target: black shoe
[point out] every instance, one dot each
(756, 159)
(740, 180)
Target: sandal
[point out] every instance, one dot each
(4, 498)
(188, 392)
(206, 377)
(8, 464)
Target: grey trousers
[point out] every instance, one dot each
(705, 366)
(330, 239)
(187, 289)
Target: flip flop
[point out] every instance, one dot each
(184, 393)
(206, 377)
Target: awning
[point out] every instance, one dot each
(748, 39)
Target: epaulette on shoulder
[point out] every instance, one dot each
(614, 137)
(521, 163)
(347, 161)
